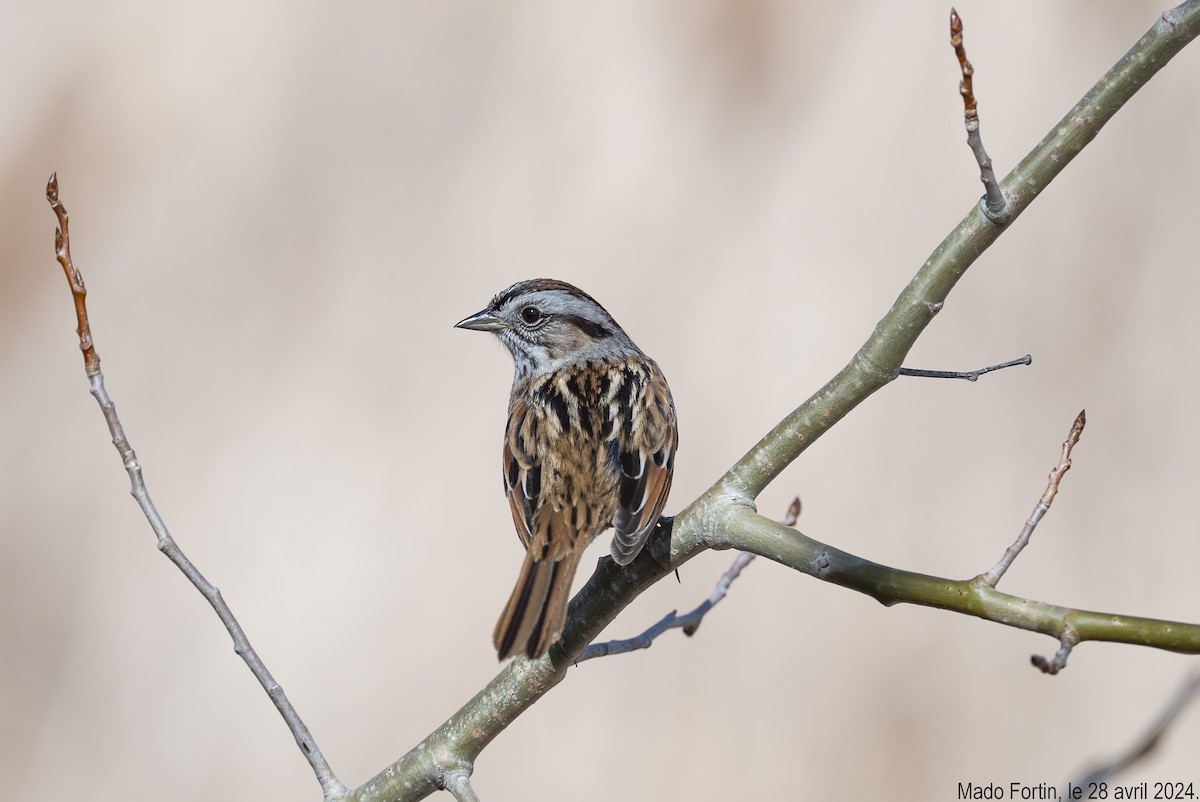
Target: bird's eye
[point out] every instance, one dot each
(531, 315)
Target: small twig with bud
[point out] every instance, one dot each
(62, 250)
(969, 375)
(1150, 740)
(688, 622)
(331, 786)
(1040, 509)
(995, 204)
(1069, 637)
(1057, 663)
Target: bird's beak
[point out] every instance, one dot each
(480, 321)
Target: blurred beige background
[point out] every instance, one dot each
(281, 209)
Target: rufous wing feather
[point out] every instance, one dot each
(522, 469)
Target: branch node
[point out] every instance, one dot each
(998, 212)
(691, 628)
(458, 783)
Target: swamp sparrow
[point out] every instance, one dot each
(590, 443)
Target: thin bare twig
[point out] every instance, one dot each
(995, 203)
(62, 250)
(969, 375)
(1182, 697)
(992, 577)
(330, 785)
(688, 622)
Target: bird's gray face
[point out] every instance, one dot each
(546, 323)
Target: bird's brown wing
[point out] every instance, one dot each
(522, 468)
(645, 453)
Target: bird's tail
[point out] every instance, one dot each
(534, 616)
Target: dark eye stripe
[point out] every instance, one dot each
(597, 331)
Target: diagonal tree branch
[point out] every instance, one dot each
(724, 516)
(330, 784)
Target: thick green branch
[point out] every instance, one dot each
(749, 531)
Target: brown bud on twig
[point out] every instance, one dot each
(62, 250)
(995, 204)
(1043, 504)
